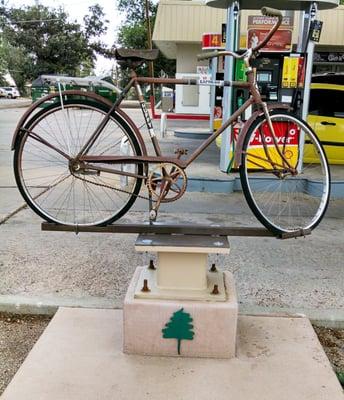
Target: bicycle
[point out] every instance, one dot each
(82, 161)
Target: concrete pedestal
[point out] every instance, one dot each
(206, 328)
(79, 357)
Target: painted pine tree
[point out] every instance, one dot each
(179, 327)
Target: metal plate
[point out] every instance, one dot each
(182, 243)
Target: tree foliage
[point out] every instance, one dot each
(133, 32)
(42, 40)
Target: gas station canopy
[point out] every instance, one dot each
(279, 4)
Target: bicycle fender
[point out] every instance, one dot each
(240, 142)
(132, 125)
(93, 96)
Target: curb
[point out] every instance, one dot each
(327, 318)
(48, 305)
(22, 104)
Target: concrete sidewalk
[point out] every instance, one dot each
(42, 270)
(79, 357)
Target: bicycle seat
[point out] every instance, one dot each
(133, 57)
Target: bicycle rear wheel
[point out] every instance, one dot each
(44, 176)
(282, 201)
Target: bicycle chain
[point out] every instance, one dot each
(119, 190)
(112, 188)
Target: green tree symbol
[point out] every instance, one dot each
(179, 327)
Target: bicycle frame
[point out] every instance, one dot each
(135, 81)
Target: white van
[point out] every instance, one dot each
(12, 92)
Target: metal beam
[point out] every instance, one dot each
(183, 229)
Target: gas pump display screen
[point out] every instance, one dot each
(264, 76)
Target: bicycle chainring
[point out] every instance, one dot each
(166, 182)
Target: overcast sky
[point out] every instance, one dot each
(77, 9)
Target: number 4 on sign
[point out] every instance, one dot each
(179, 327)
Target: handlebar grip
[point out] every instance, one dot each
(271, 12)
(205, 56)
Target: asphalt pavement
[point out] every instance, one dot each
(42, 270)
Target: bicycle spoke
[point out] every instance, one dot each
(282, 198)
(68, 197)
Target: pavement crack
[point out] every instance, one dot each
(13, 213)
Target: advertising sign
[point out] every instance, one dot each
(259, 26)
(287, 136)
(326, 57)
(204, 75)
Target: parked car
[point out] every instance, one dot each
(3, 92)
(326, 116)
(334, 78)
(11, 92)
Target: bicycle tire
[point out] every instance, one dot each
(287, 203)
(83, 198)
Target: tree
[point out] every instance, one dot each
(44, 40)
(3, 63)
(133, 33)
(179, 327)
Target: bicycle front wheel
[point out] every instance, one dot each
(64, 195)
(287, 183)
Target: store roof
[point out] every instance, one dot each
(182, 21)
(280, 4)
(193, 20)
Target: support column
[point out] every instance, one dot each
(232, 37)
(309, 48)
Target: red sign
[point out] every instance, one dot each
(212, 41)
(259, 26)
(285, 132)
(218, 112)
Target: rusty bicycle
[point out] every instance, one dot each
(82, 161)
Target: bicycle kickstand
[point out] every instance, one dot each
(153, 213)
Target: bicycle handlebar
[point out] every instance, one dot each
(271, 12)
(216, 53)
(267, 11)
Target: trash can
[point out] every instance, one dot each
(46, 84)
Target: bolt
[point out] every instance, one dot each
(215, 290)
(151, 265)
(213, 268)
(145, 287)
